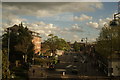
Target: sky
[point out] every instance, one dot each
(71, 21)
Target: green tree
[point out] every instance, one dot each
(20, 42)
(76, 46)
(109, 40)
(55, 43)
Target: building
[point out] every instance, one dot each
(36, 37)
(18, 44)
(37, 42)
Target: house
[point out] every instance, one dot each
(36, 38)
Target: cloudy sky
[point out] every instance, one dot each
(69, 20)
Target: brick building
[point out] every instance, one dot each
(37, 42)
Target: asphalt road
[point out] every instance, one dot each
(75, 65)
(72, 65)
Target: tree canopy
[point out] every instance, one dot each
(19, 40)
(109, 40)
(54, 43)
(76, 46)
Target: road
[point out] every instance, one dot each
(83, 64)
(69, 64)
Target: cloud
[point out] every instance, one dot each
(82, 17)
(93, 24)
(103, 22)
(92, 39)
(11, 20)
(75, 36)
(1, 31)
(76, 28)
(73, 28)
(43, 9)
(43, 28)
(59, 1)
(46, 29)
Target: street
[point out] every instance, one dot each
(72, 65)
(82, 63)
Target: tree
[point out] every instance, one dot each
(76, 46)
(19, 40)
(55, 43)
(109, 40)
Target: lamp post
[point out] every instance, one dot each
(85, 42)
(85, 49)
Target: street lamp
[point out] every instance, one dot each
(85, 49)
(85, 42)
(84, 39)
